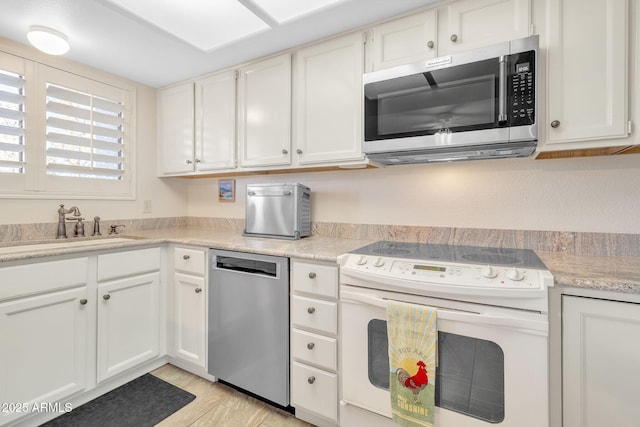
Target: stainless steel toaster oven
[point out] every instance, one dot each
(278, 210)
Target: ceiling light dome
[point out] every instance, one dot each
(48, 41)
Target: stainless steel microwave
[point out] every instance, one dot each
(477, 104)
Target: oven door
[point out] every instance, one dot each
(492, 362)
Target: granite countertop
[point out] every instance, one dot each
(618, 274)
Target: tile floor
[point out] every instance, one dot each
(220, 406)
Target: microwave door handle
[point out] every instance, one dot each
(535, 327)
(503, 65)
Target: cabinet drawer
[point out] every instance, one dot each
(314, 390)
(189, 260)
(314, 349)
(128, 263)
(29, 279)
(314, 314)
(315, 279)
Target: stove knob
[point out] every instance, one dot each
(362, 260)
(515, 274)
(379, 262)
(489, 272)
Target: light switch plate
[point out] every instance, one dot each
(146, 206)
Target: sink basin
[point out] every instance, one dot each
(63, 244)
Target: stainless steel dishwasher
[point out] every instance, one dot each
(249, 322)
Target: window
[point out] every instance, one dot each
(84, 135)
(11, 122)
(64, 135)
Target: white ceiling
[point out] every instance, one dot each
(151, 49)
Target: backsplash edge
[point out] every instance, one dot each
(575, 243)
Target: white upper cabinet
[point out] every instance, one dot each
(197, 126)
(264, 112)
(175, 129)
(476, 23)
(328, 101)
(587, 66)
(404, 41)
(458, 26)
(215, 122)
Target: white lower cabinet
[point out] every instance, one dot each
(600, 362)
(128, 323)
(44, 316)
(315, 390)
(128, 310)
(189, 306)
(69, 324)
(314, 341)
(44, 349)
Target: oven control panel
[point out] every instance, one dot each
(443, 273)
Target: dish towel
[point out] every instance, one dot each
(413, 347)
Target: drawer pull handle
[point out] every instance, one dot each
(312, 275)
(198, 290)
(310, 346)
(186, 257)
(311, 310)
(106, 297)
(83, 301)
(311, 379)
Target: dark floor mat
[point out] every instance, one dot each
(144, 401)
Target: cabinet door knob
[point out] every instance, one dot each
(312, 275)
(189, 162)
(310, 346)
(430, 44)
(555, 124)
(106, 297)
(299, 151)
(198, 290)
(284, 151)
(454, 38)
(311, 379)
(198, 160)
(311, 310)
(83, 301)
(186, 257)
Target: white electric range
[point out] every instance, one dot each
(492, 367)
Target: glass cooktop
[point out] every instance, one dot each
(524, 258)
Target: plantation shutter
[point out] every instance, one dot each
(85, 137)
(12, 123)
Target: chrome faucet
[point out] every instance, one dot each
(62, 225)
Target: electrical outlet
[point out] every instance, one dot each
(146, 206)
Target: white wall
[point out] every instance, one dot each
(598, 194)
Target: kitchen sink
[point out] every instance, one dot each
(64, 244)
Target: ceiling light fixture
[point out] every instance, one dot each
(47, 40)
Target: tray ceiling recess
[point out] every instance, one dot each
(207, 24)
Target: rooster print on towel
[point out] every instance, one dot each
(413, 343)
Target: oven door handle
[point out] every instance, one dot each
(537, 327)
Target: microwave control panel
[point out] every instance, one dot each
(522, 88)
